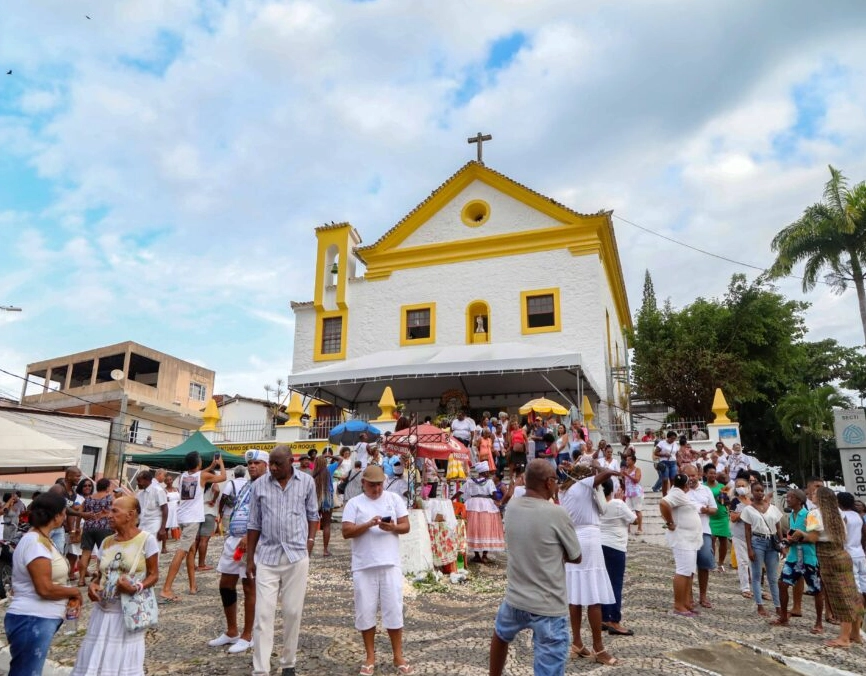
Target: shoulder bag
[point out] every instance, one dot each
(140, 610)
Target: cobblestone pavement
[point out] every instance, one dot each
(448, 629)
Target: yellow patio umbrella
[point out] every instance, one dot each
(543, 406)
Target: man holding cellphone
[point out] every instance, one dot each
(374, 521)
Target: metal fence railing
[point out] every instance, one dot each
(246, 431)
(649, 428)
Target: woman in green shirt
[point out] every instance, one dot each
(720, 524)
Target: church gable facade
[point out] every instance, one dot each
(483, 261)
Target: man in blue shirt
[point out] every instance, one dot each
(801, 562)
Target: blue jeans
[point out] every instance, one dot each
(706, 559)
(58, 537)
(768, 557)
(614, 561)
(550, 637)
(29, 639)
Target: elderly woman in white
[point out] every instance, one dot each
(685, 537)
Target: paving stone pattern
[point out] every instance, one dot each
(448, 632)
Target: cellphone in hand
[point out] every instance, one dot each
(385, 519)
(216, 455)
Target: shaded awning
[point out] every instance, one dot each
(504, 371)
(24, 450)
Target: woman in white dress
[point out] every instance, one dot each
(587, 582)
(484, 531)
(173, 496)
(130, 557)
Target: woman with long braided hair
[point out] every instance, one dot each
(824, 527)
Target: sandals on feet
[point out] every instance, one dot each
(367, 670)
(404, 669)
(747, 595)
(604, 657)
(581, 652)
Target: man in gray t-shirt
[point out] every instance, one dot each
(540, 539)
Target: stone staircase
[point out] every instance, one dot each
(653, 530)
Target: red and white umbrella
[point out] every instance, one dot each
(429, 442)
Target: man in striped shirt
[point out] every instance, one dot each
(284, 518)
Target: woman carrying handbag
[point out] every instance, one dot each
(123, 596)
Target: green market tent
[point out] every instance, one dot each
(172, 458)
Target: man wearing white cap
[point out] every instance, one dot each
(373, 521)
(396, 483)
(232, 565)
(484, 532)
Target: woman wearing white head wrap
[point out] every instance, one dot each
(484, 531)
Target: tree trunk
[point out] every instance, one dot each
(857, 274)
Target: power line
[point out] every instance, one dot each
(93, 403)
(705, 252)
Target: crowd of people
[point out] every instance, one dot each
(561, 506)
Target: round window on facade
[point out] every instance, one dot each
(475, 213)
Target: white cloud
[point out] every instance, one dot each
(187, 186)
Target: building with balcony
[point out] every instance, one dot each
(486, 293)
(153, 399)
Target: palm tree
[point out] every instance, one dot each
(829, 236)
(806, 415)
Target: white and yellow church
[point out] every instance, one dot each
(487, 291)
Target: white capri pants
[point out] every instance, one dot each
(375, 588)
(685, 561)
(742, 550)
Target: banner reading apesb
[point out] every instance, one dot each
(850, 428)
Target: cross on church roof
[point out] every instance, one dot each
(480, 139)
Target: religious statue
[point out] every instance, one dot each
(479, 324)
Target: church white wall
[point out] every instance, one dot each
(507, 215)
(374, 306)
(305, 334)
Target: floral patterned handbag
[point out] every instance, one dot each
(140, 610)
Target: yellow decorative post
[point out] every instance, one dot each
(295, 411)
(588, 413)
(211, 417)
(720, 408)
(387, 406)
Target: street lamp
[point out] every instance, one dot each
(10, 308)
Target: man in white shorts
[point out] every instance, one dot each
(374, 521)
(231, 567)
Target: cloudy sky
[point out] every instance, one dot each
(163, 163)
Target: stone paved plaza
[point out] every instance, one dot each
(448, 630)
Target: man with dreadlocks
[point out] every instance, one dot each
(824, 526)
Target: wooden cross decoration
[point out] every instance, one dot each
(480, 139)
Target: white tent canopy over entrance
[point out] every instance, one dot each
(24, 450)
(509, 373)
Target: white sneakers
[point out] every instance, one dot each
(222, 640)
(240, 646)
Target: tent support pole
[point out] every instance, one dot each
(561, 394)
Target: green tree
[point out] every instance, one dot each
(830, 236)
(806, 417)
(745, 343)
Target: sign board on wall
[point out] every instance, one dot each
(850, 428)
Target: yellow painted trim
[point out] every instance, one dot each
(475, 213)
(580, 234)
(524, 315)
(321, 316)
(470, 322)
(340, 238)
(418, 341)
